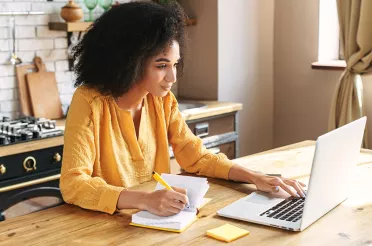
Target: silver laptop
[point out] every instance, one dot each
(335, 159)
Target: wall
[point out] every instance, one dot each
(245, 68)
(302, 96)
(201, 65)
(34, 38)
(231, 59)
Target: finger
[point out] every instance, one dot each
(272, 185)
(288, 189)
(180, 197)
(269, 188)
(180, 190)
(302, 184)
(172, 210)
(296, 186)
(275, 188)
(177, 204)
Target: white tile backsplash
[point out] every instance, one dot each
(24, 32)
(35, 44)
(7, 70)
(60, 43)
(44, 32)
(33, 37)
(4, 33)
(5, 45)
(7, 94)
(7, 83)
(53, 55)
(32, 20)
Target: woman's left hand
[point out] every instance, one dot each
(271, 184)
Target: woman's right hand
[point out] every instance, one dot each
(165, 202)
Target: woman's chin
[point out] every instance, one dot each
(161, 93)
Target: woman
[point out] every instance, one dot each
(123, 116)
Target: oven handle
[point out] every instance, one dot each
(29, 183)
(28, 194)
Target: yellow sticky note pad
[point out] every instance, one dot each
(227, 233)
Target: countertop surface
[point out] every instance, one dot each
(213, 108)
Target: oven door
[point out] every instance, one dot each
(29, 198)
(29, 181)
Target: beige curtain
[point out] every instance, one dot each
(355, 18)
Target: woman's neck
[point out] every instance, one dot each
(132, 100)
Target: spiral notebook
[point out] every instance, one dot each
(196, 190)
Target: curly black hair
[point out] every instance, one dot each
(112, 54)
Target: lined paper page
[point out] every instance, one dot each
(177, 221)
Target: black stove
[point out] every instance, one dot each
(26, 129)
(29, 171)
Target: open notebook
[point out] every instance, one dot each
(196, 189)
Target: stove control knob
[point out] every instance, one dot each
(36, 134)
(57, 157)
(2, 169)
(24, 136)
(3, 140)
(29, 164)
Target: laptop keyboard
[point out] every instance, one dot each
(289, 210)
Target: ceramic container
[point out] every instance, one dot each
(71, 12)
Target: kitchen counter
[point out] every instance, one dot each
(213, 108)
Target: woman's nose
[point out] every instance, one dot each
(171, 76)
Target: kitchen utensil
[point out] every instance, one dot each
(44, 94)
(24, 96)
(14, 59)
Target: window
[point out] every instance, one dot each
(329, 44)
(330, 55)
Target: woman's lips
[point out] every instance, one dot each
(167, 88)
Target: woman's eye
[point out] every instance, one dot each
(162, 66)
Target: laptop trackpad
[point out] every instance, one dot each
(251, 206)
(260, 199)
(266, 198)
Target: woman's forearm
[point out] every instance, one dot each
(131, 199)
(238, 173)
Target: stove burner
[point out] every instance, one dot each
(27, 129)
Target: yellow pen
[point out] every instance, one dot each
(158, 178)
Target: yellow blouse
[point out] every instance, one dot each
(102, 155)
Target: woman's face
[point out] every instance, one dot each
(160, 71)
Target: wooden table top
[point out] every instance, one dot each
(348, 224)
